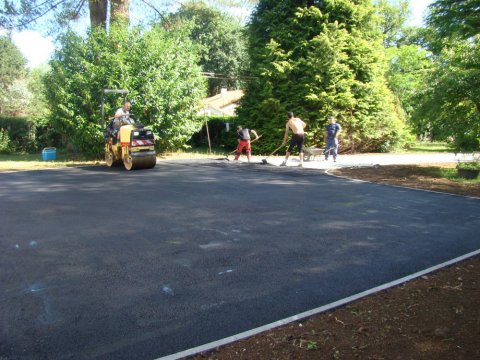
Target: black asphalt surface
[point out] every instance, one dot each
(100, 263)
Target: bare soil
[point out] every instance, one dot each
(433, 317)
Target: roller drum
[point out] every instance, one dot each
(135, 161)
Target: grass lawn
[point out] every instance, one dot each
(430, 146)
(15, 162)
(35, 162)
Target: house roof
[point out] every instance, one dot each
(223, 104)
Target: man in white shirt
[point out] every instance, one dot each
(121, 117)
(123, 111)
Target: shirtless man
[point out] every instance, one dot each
(298, 137)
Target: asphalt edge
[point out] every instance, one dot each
(338, 303)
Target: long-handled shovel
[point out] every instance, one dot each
(264, 161)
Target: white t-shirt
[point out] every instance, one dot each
(122, 117)
(121, 112)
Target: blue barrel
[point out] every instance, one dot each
(49, 153)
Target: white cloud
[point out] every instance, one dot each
(419, 8)
(36, 48)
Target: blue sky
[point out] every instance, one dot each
(37, 48)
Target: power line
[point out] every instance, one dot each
(211, 75)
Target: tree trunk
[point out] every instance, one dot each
(98, 13)
(119, 13)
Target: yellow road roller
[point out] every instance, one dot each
(128, 142)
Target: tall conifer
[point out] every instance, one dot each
(318, 58)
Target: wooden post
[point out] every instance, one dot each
(208, 137)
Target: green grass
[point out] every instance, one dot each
(193, 153)
(34, 161)
(446, 173)
(430, 147)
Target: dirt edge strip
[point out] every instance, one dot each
(316, 311)
(327, 171)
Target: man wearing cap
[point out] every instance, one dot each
(243, 138)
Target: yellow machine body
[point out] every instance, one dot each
(131, 145)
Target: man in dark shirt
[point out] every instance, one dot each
(243, 138)
(331, 137)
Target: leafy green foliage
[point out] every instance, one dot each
(22, 104)
(449, 103)
(19, 133)
(21, 14)
(5, 147)
(449, 108)
(13, 62)
(409, 66)
(393, 17)
(158, 67)
(319, 60)
(469, 165)
(11, 73)
(221, 40)
(459, 18)
(217, 131)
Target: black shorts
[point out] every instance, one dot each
(296, 140)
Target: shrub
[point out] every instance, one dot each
(4, 142)
(158, 67)
(468, 165)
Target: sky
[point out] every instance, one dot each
(37, 49)
(418, 9)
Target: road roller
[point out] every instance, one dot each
(132, 144)
(128, 141)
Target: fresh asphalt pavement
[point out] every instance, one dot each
(100, 263)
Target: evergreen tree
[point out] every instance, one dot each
(317, 59)
(455, 18)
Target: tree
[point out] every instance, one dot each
(460, 18)
(448, 105)
(12, 60)
(12, 69)
(318, 59)
(222, 42)
(21, 14)
(158, 67)
(409, 67)
(393, 17)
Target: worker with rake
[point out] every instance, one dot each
(297, 126)
(243, 138)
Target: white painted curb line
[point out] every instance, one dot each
(318, 310)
